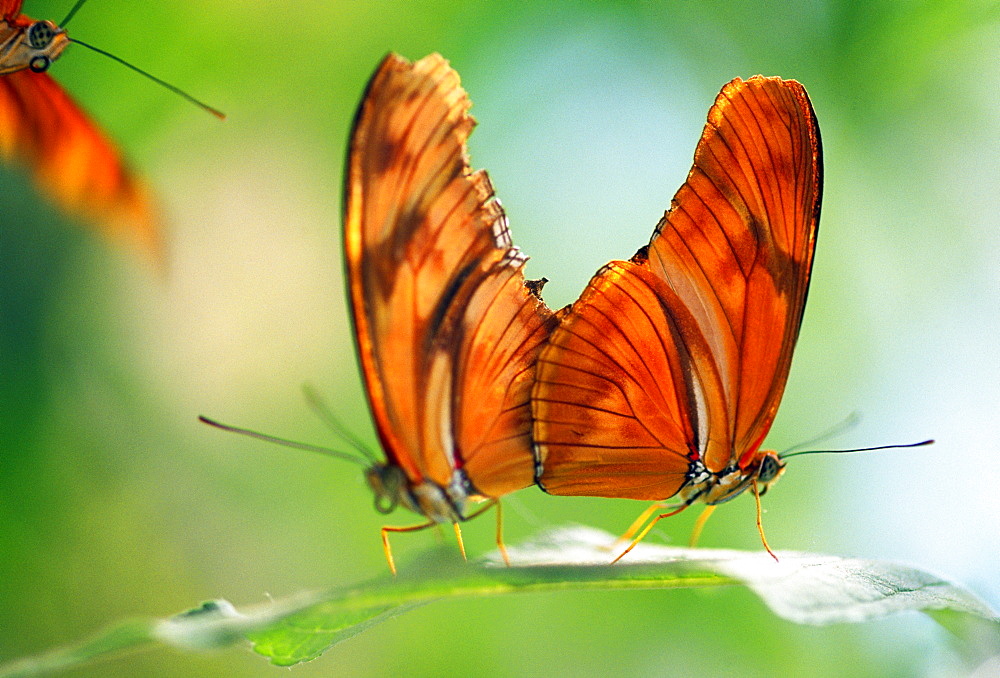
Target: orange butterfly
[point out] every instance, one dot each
(42, 128)
(448, 329)
(664, 377)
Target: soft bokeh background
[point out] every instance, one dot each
(115, 502)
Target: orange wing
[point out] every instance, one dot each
(682, 354)
(447, 328)
(9, 9)
(42, 128)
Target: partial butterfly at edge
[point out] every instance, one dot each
(69, 157)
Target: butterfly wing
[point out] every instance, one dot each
(42, 128)
(613, 401)
(738, 246)
(683, 352)
(447, 329)
(10, 9)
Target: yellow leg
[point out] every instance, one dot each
(500, 545)
(458, 534)
(458, 528)
(699, 525)
(649, 527)
(636, 524)
(385, 540)
(461, 542)
(760, 522)
(482, 509)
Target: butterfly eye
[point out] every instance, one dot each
(770, 467)
(40, 35)
(40, 64)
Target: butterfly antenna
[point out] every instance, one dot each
(323, 411)
(282, 441)
(857, 449)
(176, 90)
(72, 12)
(846, 424)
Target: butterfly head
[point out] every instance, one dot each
(40, 43)
(761, 468)
(769, 468)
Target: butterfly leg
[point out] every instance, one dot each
(482, 509)
(649, 527)
(385, 540)
(461, 542)
(760, 522)
(500, 545)
(458, 528)
(634, 527)
(699, 524)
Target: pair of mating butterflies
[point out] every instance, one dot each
(661, 381)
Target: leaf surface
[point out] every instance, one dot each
(805, 588)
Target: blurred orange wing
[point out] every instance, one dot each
(448, 330)
(9, 9)
(43, 128)
(683, 353)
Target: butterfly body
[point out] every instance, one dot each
(717, 488)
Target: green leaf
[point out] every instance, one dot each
(801, 587)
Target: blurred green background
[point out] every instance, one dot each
(115, 502)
